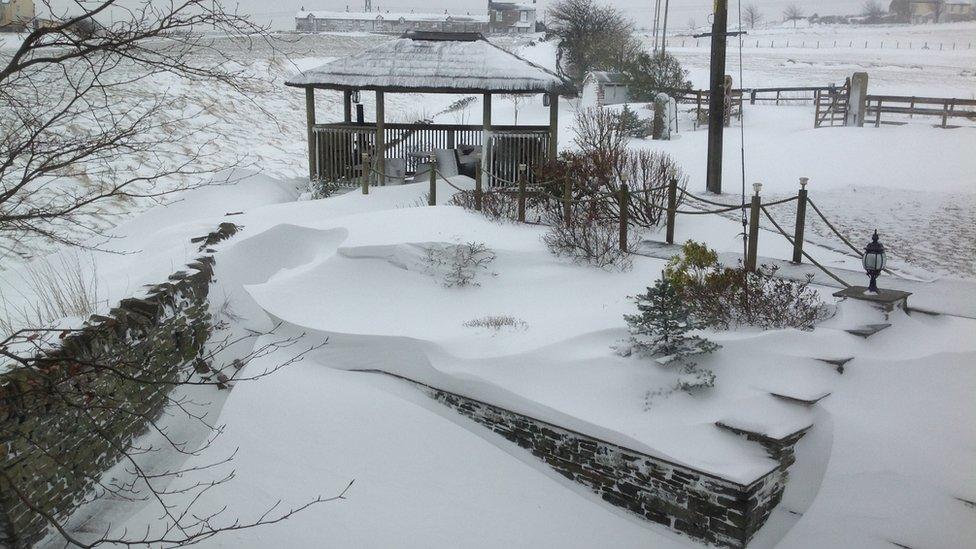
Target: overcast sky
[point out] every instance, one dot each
(281, 12)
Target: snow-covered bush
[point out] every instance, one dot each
(458, 264)
(726, 298)
(591, 239)
(497, 322)
(320, 189)
(662, 328)
(633, 125)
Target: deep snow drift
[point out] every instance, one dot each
(890, 435)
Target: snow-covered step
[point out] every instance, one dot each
(868, 330)
(804, 398)
(838, 363)
(768, 417)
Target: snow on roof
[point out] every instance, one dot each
(389, 16)
(421, 61)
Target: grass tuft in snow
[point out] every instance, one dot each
(497, 323)
(57, 287)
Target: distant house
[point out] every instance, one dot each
(502, 18)
(16, 15)
(511, 17)
(932, 11)
(601, 88)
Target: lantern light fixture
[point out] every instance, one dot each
(874, 261)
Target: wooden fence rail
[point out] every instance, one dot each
(943, 107)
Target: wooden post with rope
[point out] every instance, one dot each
(521, 193)
(624, 204)
(568, 200)
(365, 181)
(801, 216)
(478, 186)
(672, 209)
(753, 247)
(432, 194)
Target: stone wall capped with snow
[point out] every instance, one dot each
(49, 453)
(694, 503)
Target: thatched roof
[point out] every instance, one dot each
(428, 62)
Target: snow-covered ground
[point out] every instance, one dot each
(889, 458)
(892, 433)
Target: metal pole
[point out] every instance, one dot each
(716, 97)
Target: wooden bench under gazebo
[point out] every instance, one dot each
(428, 62)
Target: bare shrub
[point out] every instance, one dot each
(726, 298)
(601, 133)
(646, 173)
(497, 206)
(58, 287)
(497, 322)
(460, 263)
(592, 240)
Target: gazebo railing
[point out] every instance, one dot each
(339, 147)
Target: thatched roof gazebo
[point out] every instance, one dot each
(426, 62)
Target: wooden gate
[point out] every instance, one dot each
(831, 106)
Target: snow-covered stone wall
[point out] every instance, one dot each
(697, 504)
(50, 453)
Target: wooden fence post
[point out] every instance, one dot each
(478, 186)
(432, 194)
(672, 209)
(753, 249)
(624, 205)
(801, 216)
(568, 201)
(877, 120)
(365, 182)
(752, 97)
(521, 193)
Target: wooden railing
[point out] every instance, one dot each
(943, 107)
(339, 147)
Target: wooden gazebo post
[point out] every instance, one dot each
(553, 125)
(380, 151)
(310, 119)
(485, 139)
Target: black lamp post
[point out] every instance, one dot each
(874, 261)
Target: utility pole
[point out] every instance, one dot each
(664, 32)
(657, 16)
(716, 97)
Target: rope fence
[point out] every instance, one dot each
(623, 196)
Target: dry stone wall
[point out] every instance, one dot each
(50, 454)
(694, 503)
